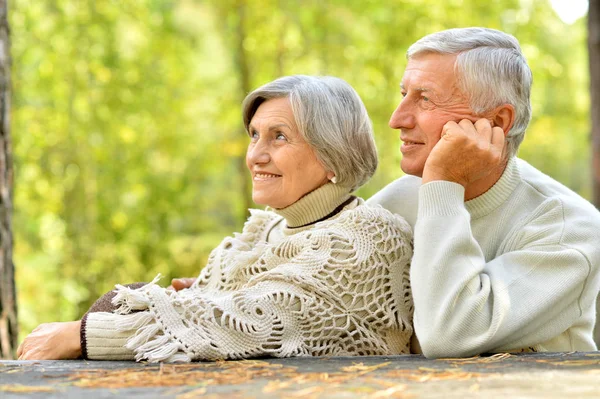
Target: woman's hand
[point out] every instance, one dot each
(52, 341)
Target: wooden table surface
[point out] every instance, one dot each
(536, 375)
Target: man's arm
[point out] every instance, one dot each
(530, 291)
(464, 305)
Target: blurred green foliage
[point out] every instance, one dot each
(128, 143)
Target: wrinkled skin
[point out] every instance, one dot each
(443, 138)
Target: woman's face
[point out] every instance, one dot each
(283, 166)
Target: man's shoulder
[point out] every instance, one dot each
(551, 190)
(403, 186)
(578, 219)
(399, 197)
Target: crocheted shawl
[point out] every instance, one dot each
(339, 288)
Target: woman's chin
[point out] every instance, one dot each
(274, 203)
(264, 201)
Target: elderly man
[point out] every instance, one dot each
(505, 258)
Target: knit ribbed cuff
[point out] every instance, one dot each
(102, 339)
(82, 338)
(441, 198)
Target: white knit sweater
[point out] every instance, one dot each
(337, 287)
(515, 268)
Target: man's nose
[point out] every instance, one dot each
(403, 117)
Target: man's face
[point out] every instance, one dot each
(430, 99)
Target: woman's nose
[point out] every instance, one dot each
(258, 153)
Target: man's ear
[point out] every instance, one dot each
(504, 117)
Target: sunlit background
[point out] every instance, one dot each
(128, 143)
(570, 10)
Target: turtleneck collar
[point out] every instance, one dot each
(314, 206)
(498, 194)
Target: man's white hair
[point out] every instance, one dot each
(491, 70)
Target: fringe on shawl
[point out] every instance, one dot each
(149, 342)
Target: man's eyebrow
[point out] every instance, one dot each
(420, 89)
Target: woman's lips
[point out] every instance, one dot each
(265, 176)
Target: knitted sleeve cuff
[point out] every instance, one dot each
(101, 339)
(441, 198)
(82, 339)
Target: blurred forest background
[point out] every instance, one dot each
(127, 137)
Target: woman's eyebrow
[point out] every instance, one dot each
(274, 127)
(271, 128)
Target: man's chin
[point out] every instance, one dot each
(411, 169)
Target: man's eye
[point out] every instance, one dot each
(403, 94)
(254, 135)
(426, 99)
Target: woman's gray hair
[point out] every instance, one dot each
(332, 119)
(491, 70)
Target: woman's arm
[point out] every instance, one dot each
(64, 340)
(334, 290)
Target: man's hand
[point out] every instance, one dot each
(52, 341)
(179, 284)
(466, 152)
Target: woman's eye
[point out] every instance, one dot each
(253, 135)
(426, 99)
(280, 136)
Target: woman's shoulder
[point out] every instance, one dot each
(365, 217)
(366, 213)
(260, 216)
(256, 228)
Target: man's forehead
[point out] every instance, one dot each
(416, 84)
(429, 72)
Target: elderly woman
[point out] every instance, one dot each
(317, 273)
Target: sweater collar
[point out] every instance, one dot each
(498, 194)
(315, 205)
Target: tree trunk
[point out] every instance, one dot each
(594, 58)
(8, 301)
(243, 71)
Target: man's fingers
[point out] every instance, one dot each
(20, 350)
(448, 126)
(498, 139)
(484, 129)
(468, 127)
(182, 283)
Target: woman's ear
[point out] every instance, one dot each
(504, 117)
(331, 176)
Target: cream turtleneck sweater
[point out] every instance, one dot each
(516, 268)
(324, 203)
(325, 276)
